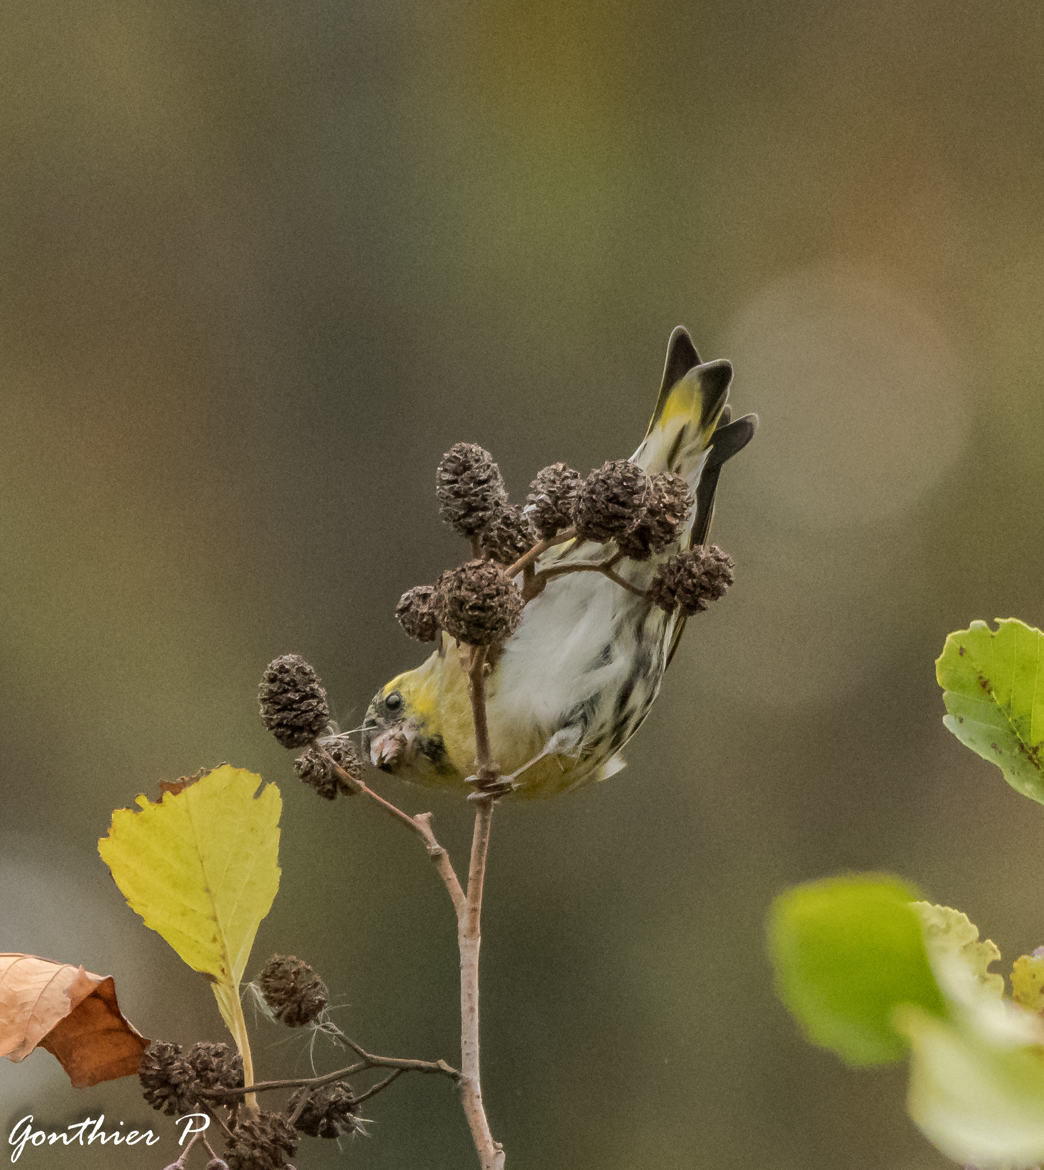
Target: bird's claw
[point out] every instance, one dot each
(490, 788)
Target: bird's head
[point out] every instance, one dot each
(391, 728)
(397, 734)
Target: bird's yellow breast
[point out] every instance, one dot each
(438, 697)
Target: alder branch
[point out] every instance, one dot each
(375, 1089)
(403, 1064)
(538, 549)
(469, 935)
(467, 905)
(419, 824)
(604, 567)
(368, 1060)
(485, 770)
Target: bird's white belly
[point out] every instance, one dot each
(574, 652)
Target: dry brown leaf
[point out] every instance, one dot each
(70, 1012)
(179, 785)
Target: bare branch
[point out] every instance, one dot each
(419, 824)
(538, 549)
(603, 567)
(469, 934)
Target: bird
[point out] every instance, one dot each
(568, 688)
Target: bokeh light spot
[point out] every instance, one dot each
(861, 392)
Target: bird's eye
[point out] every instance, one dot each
(393, 702)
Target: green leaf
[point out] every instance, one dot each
(201, 867)
(993, 688)
(977, 1083)
(847, 952)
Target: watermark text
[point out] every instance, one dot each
(94, 1131)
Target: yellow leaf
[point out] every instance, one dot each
(1027, 982)
(201, 868)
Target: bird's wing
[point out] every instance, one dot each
(729, 439)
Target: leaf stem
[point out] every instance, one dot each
(231, 1007)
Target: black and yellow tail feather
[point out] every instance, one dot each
(690, 417)
(687, 382)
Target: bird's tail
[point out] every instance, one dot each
(691, 431)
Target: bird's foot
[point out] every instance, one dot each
(492, 787)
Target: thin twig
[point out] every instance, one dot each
(187, 1150)
(299, 1108)
(214, 1117)
(538, 549)
(420, 824)
(603, 567)
(373, 1090)
(368, 1060)
(210, 1149)
(569, 567)
(404, 1064)
(608, 572)
(339, 1074)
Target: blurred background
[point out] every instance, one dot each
(264, 263)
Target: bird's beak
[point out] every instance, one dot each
(390, 748)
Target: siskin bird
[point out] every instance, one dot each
(573, 682)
